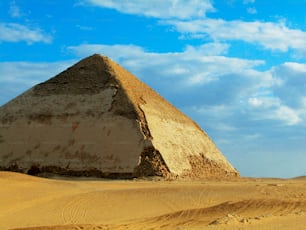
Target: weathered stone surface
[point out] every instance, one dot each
(97, 119)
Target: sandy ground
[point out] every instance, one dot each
(38, 203)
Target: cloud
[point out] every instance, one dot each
(284, 99)
(209, 49)
(158, 8)
(291, 86)
(273, 36)
(115, 51)
(14, 10)
(120, 51)
(287, 114)
(272, 108)
(189, 18)
(264, 102)
(13, 32)
(17, 77)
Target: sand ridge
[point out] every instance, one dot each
(39, 203)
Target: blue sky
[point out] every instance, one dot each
(237, 67)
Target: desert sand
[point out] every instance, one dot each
(78, 203)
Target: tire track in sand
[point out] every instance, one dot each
(74, 210)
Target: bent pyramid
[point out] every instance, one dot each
(97, 119)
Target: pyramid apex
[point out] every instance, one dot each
(88, 76)
(96, 56)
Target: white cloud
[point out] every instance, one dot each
(158, 8)
(114, 51)
(264, 102)
(288, 115)
(255, 102)
(209, 49)
(272, 108)
(13, 32)
(285, 100)
(28, 72)
(291, 85)
(296, 67)
(214, 111)
(274, 36)
(17, 77)
(14, 10)
(189, 18)
(121, 51)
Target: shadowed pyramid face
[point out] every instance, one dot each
(96, 118)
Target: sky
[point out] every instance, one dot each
(237, 67)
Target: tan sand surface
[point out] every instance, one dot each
(246, 203)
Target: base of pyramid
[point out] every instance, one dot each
(150, 164)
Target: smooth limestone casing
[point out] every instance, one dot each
(178, 140)
(108, 143)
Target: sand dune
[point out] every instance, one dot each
(38, 203)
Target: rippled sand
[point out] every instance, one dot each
(38, 203)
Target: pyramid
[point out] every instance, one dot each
(97, 119)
